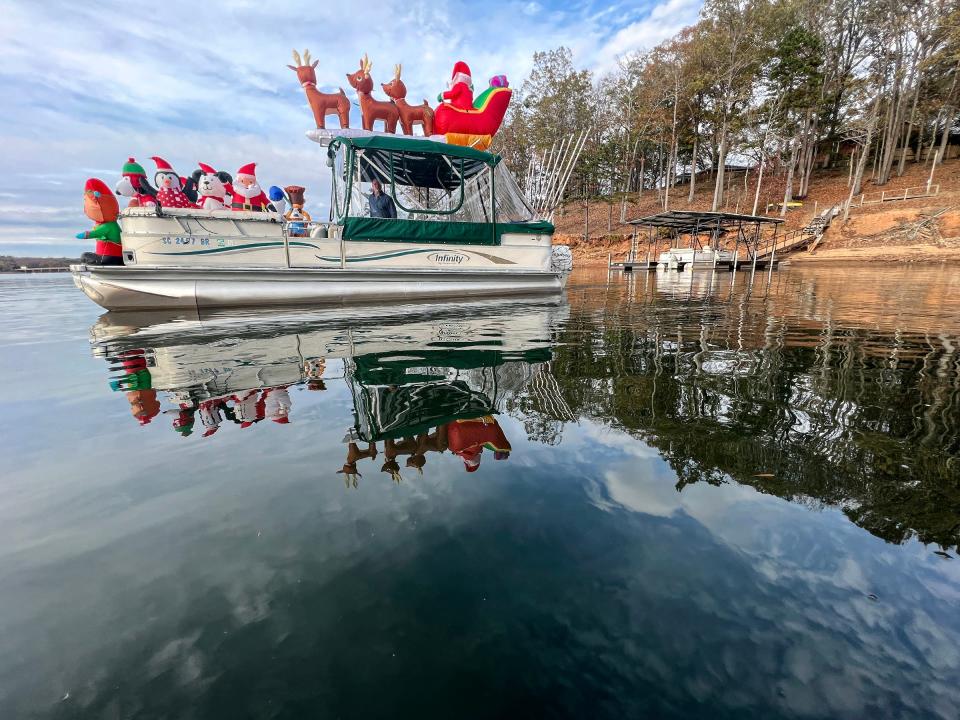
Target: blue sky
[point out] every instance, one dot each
(88, 84)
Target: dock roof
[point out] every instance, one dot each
(686, 221)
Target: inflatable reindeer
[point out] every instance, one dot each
(409, 114)
(322, 104)
(354, 453)
(372, 110)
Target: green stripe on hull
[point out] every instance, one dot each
(210, 251)
(383, 256)
(400, 253)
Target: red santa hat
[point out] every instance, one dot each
(162, 164)
(207, 169)
(250, 170)
(461, 73)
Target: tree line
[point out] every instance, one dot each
(790, 87)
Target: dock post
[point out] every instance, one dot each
(773, 255)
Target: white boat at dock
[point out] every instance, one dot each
(676, 258)
(701, 240)
(464, 229)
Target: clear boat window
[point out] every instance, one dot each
(426, 185)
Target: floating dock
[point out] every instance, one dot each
(643, 265)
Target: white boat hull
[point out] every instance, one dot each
(134, 288)
(686, 257)
(186, 259)
(188, 238)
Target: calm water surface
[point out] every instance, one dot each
(670, 497)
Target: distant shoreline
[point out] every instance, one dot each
(24, 265)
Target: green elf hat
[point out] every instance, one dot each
(132, 167)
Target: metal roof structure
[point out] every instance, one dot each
(689, 221)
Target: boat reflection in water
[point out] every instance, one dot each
(423, 378)
(436, 401)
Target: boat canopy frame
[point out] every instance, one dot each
(459, 183)
(674, 224)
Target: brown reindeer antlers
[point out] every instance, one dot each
(365, 65)
(306, 59)
(396, 71)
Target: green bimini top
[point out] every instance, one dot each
(403, 143)
(414, 161)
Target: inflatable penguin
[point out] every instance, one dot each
(169, 186)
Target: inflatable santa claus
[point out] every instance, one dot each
(460, 92)
(247, 193)
(468, 438)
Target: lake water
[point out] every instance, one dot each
(675, 497)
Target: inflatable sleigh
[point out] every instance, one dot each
(476, 127)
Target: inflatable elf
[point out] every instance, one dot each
(138, 385)
(101, 206)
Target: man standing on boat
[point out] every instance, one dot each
(381, 204)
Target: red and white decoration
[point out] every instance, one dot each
(169, 187)
(211, 189)
(247, 193)
(460, 94)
